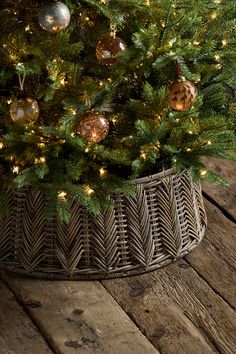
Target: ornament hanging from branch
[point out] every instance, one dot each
(108, 48)
(182, 93)
(54, 17)
(93, 127)
(24, 110)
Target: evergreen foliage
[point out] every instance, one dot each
(62, 73)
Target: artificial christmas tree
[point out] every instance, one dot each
(130, 95)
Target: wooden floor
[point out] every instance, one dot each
(187, 307)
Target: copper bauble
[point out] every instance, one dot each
(108, 49)
(182, 95)
(93, 127)
(54, 17)
(24, 110)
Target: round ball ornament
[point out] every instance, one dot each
(54, 17)
(108, 48)
(93, 127)
(182, 95)
(24, 111)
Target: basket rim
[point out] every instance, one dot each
(159, 175)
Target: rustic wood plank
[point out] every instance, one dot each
(177, 310)
(215, 258)
(225, 197)
(79, 317)
(17, 332)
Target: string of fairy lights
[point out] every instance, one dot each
(92, 126)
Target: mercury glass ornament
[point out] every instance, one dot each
(182, 95)
(108, 49)
(93, 127)
(24, 110)
(54, 17)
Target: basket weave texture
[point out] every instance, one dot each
(164, 221)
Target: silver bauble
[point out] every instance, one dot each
(54, 17)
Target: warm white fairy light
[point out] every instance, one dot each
(224, 43)
(89, 190)
(188, 149)
(15, 169)
(217, 57)
(143, 155)
(40, 160)
(13, 57)
(62, 81)
(162, 23)
(102, 172)
(214, 15)
(203, 173)
(41, 145)
(1, 146)
(27, 28)
(114, 120)
(72, 135)
(73, 112)
(9, 101)
(62, 195)
(209, 142)
(196, 42)
(190, 132)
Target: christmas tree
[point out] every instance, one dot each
(95, 93)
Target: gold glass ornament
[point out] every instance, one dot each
(182, 95)
(93, 127)
(108, 49)
(24, 110)
(54, 17)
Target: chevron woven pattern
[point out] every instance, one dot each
(163, 221)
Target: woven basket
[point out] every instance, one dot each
(164, 221)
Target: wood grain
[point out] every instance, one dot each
(225, 197)
(18, 335)
(177, 310)
(215, 258)
(79, 317)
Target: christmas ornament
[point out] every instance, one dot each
(24, 110)
(93, 127)
(182, 95)
(108, 49)
(54, 17)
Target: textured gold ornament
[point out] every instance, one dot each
(108, 49)
(54, 17)
(24, 110)
(93, 127)
(182, 95)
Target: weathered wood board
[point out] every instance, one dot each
(177, 310)
(224, 196)
(80, 317)
(215, 258)
(18, 335)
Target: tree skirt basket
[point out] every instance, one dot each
(164, 221)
